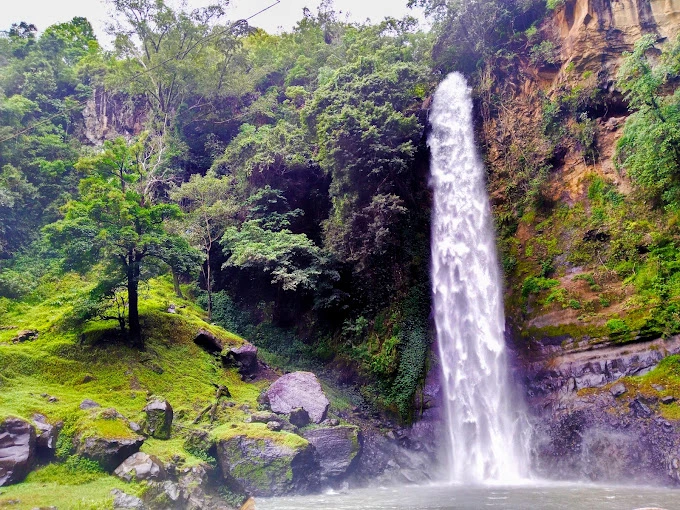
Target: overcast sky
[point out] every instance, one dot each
(44, 13)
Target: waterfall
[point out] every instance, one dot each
(486, 424)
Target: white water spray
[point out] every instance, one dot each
(487, 426)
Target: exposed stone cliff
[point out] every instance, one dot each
(599, 413)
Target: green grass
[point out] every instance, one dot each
(56, 365)
(56, 486)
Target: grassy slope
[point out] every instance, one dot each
(56, 364)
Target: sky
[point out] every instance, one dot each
(283, 16)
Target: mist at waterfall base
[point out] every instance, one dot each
(488, 433)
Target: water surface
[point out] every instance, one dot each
(452, 497)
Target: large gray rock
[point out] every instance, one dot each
(46, 442)
(158, 421)
(295, 390)
(109, 452)
(123, 500)
(17, 450)
(140, 466)
(264, 467)
(336, 448)
(245, 357)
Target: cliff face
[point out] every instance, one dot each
(594, 33)
(603, 399)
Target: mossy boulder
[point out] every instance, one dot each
(107, 441)
(266, 463)
(158, 422)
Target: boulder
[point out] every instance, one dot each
(668, 399)
(158, 421)
(46, 442)
(245, 358)
(109, 452)
(88, 404)
(274, 426)
(209, 342)
(263, 417)
(123, 500)
(299, 417)
(618, 389)
(140, 466)
(264, 466)
(17, 450)
(336, 448)
(298, 390)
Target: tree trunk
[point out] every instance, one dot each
(208, 285)
(133, 301)
(175, 282)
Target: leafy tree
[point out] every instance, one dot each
(210, 208)
(292, 260)
(471, 33)
(650, 146)
(112, 222)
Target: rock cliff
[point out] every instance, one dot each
(602, 399)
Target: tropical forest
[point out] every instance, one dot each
(427, 262)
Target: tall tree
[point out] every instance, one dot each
(113, 222)
(210, 207)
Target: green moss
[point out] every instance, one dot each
(259, 431)
(165, 450)
(55, 365)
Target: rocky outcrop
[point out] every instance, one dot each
(336, 448)
(158, 421)
(46, 441)
(589, 425)
(245, 358)
(556, 369)
(140, 466)
(207, 341)
(268, 467)
(109, 452)
(17, 450)
(298, 390)
(596, 32)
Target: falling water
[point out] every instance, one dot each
(487, 427)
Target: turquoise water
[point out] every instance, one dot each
(450, 497)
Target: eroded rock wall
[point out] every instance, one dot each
(595, 416)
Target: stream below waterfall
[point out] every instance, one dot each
(541, 496)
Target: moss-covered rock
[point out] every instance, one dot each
(158, 422)
(266, 463)
(107, 441)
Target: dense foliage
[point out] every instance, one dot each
(287, 171)
(284, 176)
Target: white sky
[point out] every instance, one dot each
(44, 13)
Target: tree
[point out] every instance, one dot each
(210, 207)
(114, 223)
(650, 146)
